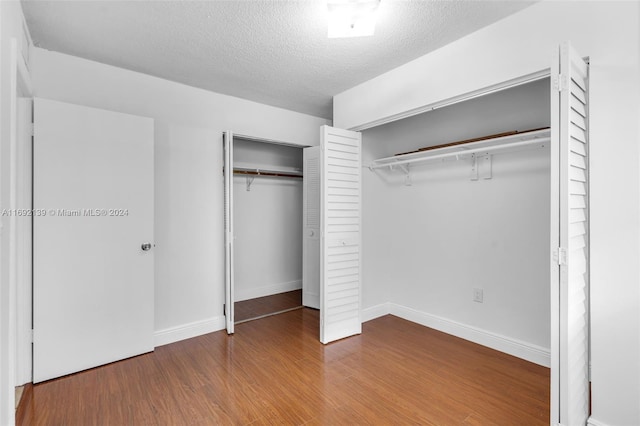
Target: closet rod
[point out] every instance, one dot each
(540, 139)
(261, 172)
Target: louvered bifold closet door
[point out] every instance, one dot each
(311, 228)
(341, 234)
(571, 86)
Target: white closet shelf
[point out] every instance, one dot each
(504, 144)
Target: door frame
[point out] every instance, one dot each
(16, 308)
(15, 340)
(23, 185)
(229, 246)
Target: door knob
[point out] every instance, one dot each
(146, 246)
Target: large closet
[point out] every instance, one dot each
(463, 239)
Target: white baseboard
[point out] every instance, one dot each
(187, 331)
(517, 348)
(198, 328)
(375, 312)
(267, 290)
(593, 422)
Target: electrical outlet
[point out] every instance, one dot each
(477, 295)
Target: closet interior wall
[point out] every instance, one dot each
(268, 221)
(429, 245)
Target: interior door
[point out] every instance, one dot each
(93, 234)
(227, 146)
(311, 228)
(340, 270)
(569, 239)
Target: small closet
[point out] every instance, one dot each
(267, 214)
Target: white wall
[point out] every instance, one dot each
(428, 245)
(11, 26)
(608, 32)
(189, 292)
(268, 222)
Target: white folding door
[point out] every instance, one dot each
(569, 238)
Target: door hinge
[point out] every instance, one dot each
(560, 256)
(31, 336)
(560, 82)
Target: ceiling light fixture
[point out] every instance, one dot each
(352, 18)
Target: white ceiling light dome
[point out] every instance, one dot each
(352, 18)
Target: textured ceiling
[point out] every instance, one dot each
(274, 52)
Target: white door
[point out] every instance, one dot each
(93, 233)
(340, 270)
(227, 146)
(569, 239)
(311, 228)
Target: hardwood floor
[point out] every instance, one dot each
(268, 305)
(275, 371)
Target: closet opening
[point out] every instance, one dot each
(267, 221)
(460, 240)
(292, 222)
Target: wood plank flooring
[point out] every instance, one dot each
(275, 371)
(267, 305)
